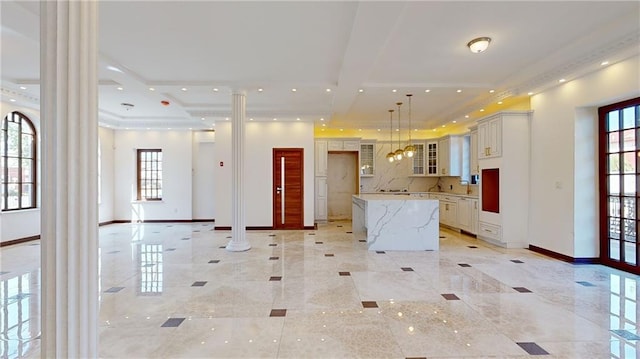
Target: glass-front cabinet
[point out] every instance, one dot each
(367, 159)
(432, 158)
(418, 159)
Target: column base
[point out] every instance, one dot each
(238, 246)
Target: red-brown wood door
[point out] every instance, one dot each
(288, 179)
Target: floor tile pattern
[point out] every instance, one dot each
(285, 299)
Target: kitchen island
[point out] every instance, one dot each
(398, 222)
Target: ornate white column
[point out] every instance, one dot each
(239, 240)
(69, 123)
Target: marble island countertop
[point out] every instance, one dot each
(396, 222)
(418, 194)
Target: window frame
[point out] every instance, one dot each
(22, 120)
(139, 176)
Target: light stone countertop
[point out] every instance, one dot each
(408, 193)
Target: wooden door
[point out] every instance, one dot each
(288, 180)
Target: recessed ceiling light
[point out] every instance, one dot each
(378, 130)
(294, 90)
(120, 88)
(482, 110)
(251, 119)
(604, 63)
(323, 129)
(322, 119)
(394, 90)
(12, 100)
(298, 119)
(260, 89)
(427, 90)
(444, 125)
(323, 125)
(454, 121)
(458, 91)
(360, 90)
(168, 128)
(434, 130)
(529, 93)
(184, 89)
(190, 128)
(151, 89)
(466, 116)
(275, 119)
(397, 129)
(359, 129)
(213, 124)
(328, 90)
(202, 118)
(492, 91)
(415, 130)
(22, 88)
(341, 129)
(226, 118)
(562, 80)
(499, 102)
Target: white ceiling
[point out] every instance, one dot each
(315, 46)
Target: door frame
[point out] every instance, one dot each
(275, 180)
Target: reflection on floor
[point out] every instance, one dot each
(172, 290)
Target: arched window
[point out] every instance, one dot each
(18, 162)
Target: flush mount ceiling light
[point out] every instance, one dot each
(479, 44)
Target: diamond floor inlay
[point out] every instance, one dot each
(160, 297)
(278, 313)
(173, 322)
(532, 348)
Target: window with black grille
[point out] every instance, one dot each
(149, 174)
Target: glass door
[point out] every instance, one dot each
(619, 140)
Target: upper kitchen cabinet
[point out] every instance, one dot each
(344, 145)
(431, 158)
(367, 159)
(490, 137)
(474, 169)
(450, 156)
(321, 150)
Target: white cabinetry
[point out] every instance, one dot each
(448, 209)
(344, 145)
(503, 150)
(321, 198)
(321, 157)
(474, 216)
(474, 169)
(450, 156)
(367, 159)
(490, 137)
(464, 214)
(431, 158)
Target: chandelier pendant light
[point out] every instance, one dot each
(391, 155)
(399, 153)
(410, 149)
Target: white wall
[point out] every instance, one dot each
(260, 139)
(563, 208)
(105, 202)
(204, 166)
(25, 223)
(176, 171)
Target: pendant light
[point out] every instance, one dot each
(399, 153)
(410, 149)
(390, 155)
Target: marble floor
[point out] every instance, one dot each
(172, 290)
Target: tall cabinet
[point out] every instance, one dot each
(503, 164)
(321, 159)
